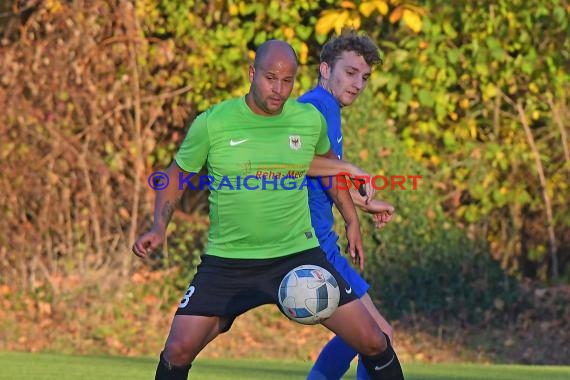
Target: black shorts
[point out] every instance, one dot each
(226, 288)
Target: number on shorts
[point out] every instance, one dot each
(187, 296)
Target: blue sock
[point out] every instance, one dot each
(333, 361)
(361, 373)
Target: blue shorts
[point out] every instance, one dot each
(343, 266)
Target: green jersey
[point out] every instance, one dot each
(256, 175)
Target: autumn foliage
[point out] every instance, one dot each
(96, 95)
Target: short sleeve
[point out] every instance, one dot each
(323, 144)
(193, 152)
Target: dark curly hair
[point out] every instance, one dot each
(350, 40)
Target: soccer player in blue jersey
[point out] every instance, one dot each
(345, 66)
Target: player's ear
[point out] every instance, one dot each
(325, 69)
(251, 73)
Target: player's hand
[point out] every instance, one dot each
(362, 183)
(382, 212)
(147, 243)
(354, 247)
(364, 186)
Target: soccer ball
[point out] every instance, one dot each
(308, 294)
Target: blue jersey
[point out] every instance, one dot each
(320, 203)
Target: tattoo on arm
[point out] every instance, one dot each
(168, 210)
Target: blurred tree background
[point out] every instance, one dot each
(473, 96)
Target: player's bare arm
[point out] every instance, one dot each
(345, 205)
(164, 206)
(325, 166)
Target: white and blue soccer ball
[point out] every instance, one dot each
(308, 294)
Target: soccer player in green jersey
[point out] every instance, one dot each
(258, 150)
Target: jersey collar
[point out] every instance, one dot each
(326, 93)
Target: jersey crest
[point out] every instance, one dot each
(295, 142)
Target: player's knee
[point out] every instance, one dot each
(177, 353)
(374, 344)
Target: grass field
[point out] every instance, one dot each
(24, 366)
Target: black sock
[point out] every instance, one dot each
(384, 366)
(167, 371)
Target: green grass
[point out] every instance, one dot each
(24, 366)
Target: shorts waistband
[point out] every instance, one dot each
(227, 262)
